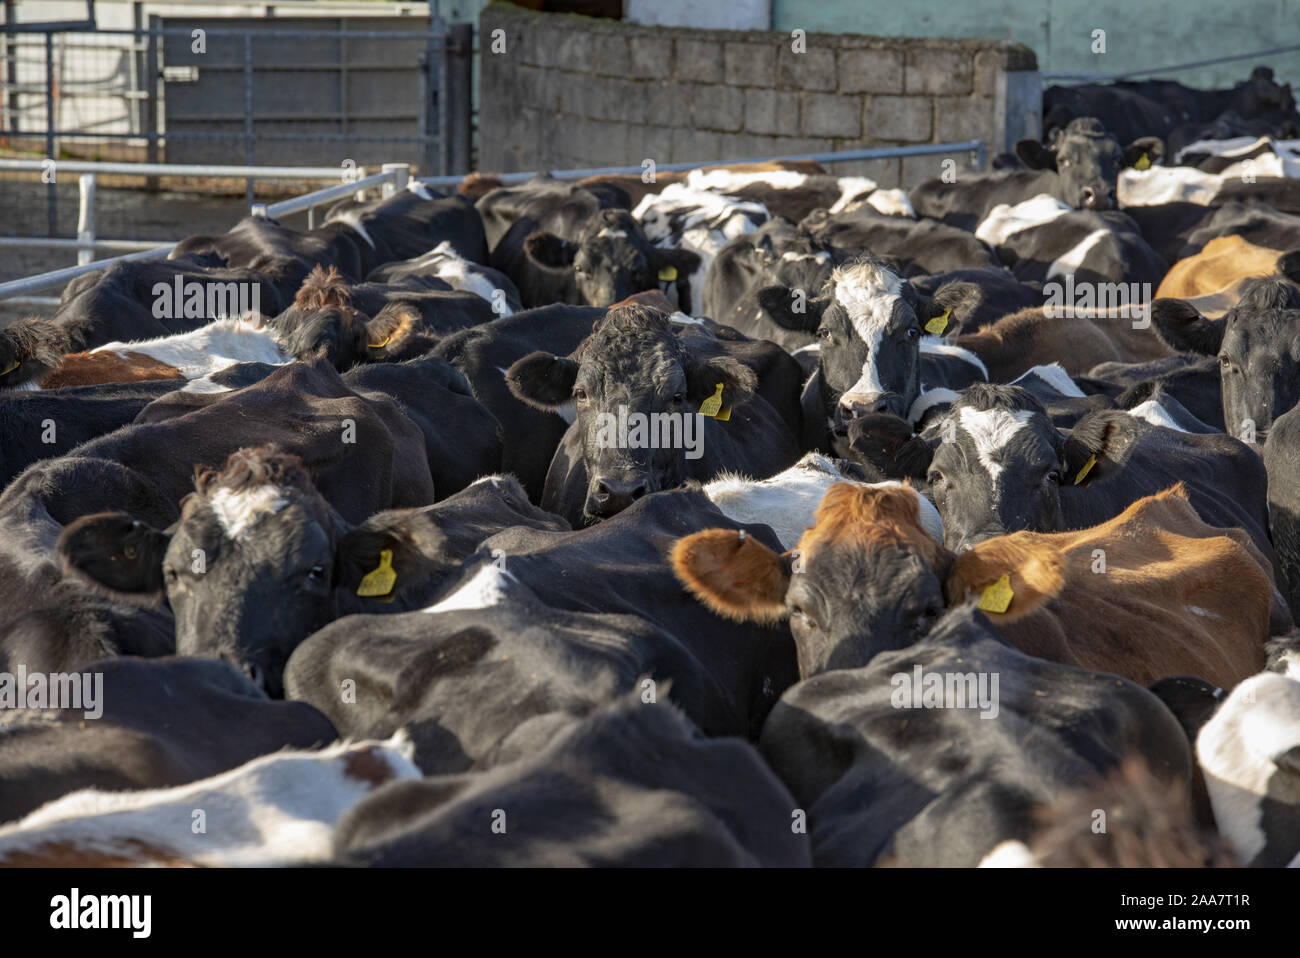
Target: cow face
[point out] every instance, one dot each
(998, 466)
(632, 364)
(864, 579)
(247, 570)
(1087, 161)
(1258, 347)
(870, 336)
(610, 260)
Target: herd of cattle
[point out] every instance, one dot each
(990, 521)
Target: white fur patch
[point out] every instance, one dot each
(1167, 184)
(279, 809)
(1010, 854)
(352, 219)
(938, 346)
(891, 203)
(928, 399)
(788, 501)
(458, 272)
(488, 586)
(1005, 220)
(725, 181)
(1054, 375)
(237, 512)
(991, 430)
(1258, 722)
(1071, 261)
(1151, 411)
(852, 187)
(210, 348)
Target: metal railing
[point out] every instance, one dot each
(393, 177)
(1175, 68)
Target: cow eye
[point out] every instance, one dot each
(170, 576)
(1054, 475)
(823, 333)
(913, 333)
(678, 397)
(935, 478)
(316, 573)
(1225, 362)
(580, 395)
(797, 612)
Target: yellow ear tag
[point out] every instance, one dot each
(1143, 163)
(8, 370)
(383, 344)
(939, 323)
(1087, 468)
(997, 597)
(712, 406)
(379, 581)
(668, 274)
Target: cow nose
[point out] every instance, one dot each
(612, 496)
(1096, 197)
(855, 407)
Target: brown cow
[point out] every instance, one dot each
(1151, 593)
(1222, 262)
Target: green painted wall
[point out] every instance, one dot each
(1139, 33)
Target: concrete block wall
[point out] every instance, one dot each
(570, 92)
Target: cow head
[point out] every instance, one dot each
(247, 569)
(30, 348)
(1258, 346)
(866, 578)
(1087, 161)
(633, 362)
(870, 336)
(998, 466)
(323, 322)
(609, 261)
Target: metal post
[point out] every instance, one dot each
(86, 219)
(151, 79)
(248, 113)
(458, 95)
(51, 189)
(401, 176)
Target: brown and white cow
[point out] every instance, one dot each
(1151, 593)
(1222, 262)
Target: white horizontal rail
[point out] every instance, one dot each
(178, 169)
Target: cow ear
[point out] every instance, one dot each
(413, 550)
(548, 251)
(116, 552)
(1035, 155)
(733, 574)
(1288, 265)
(738, 381)
(1184, 329)
(1034, 576)
(780, 303)
(1152, 147)
(1096, 443)
(682, 260)
(29, 348)
(542, 380)
(391, 326)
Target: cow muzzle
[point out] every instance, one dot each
(856, 405)
(609, 495)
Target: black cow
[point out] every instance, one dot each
(48, 423)
(637, 385)
(917, 247)
(999, 465)
(601, 261)
(631, 785)
(974, 298)
(409, 224)
(135, 299)
(1282, 458)
(164, 722)
(928, 786)
(1257, 344)
(1080, 166)
(1090, 246)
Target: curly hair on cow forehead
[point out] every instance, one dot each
(864, 271)
(628, 322)
(251, 467)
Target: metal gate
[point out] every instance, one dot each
(280, 92)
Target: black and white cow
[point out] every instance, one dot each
(1080, 166)
(872, 346)
(445, 263)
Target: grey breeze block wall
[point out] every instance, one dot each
(571, 92)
